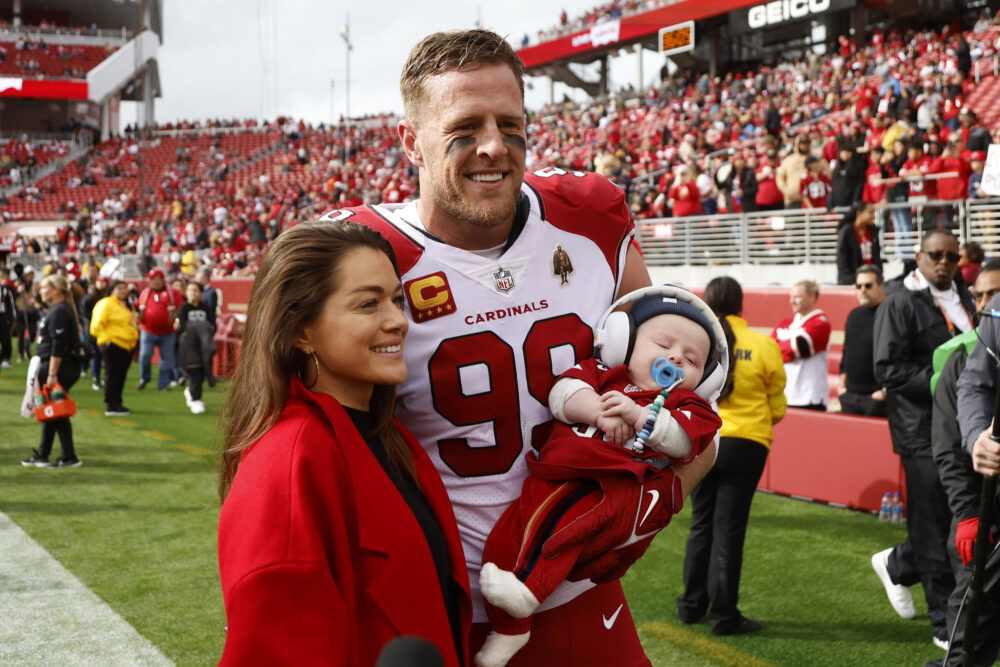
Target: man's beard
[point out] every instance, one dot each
(486, 215)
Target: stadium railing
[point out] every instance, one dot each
(796, 236)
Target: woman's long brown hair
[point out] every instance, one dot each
(297, 275)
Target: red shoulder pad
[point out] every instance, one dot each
(407, 250)
(587, 204)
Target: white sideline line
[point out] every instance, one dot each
(49, 617)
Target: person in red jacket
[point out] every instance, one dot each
(336, 534)
(158, 305)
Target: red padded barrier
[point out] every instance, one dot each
(833, 458)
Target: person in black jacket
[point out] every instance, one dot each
(925, 309)
(857, 242)
(859, 393)
(96, 290)
(961, 483)
(195, 329)
(8, 315)
(848, 177)
(58, 338)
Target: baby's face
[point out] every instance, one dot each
(675, 338)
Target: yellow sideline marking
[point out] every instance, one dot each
(703, 646)
(94, 411)
(156, 435)
(122, 422)
(193, 449)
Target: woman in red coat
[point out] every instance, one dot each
(336, 534)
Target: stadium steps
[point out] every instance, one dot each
(985, 101)
(52, 166)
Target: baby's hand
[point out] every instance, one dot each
(616, 429)
(615, 403)
(618, 416)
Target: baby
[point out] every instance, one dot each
(670, 344)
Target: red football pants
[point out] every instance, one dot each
(595, 629)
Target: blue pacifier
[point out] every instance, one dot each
(666, 374)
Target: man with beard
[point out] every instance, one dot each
(492, 327)
(924, 309)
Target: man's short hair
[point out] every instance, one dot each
(870, 268)
(926, 237)
(810, 286)
(992, 265)
(454, 50)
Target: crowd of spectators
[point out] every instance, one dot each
(52, 28)
(817, 131)
(37, 58)
(608, 11)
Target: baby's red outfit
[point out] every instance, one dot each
(563, 485)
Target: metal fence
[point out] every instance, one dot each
(790, 236)
(796, 236)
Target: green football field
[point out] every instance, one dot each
(136, 524)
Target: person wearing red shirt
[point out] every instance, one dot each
(815, 185)
(875, 191)
(917, 166)
(769, 197)
(954, 187)
(684, 196)
(158, 305)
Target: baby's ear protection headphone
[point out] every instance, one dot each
(614, 337)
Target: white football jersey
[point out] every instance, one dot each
(488, 338)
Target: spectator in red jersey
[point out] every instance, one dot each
(916, 167)
(953, 187)
(769, 197)
(158, 306)
(684, 196)
(874, 190)
(815, 185)
(857, 242)
(803, 340)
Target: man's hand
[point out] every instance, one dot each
(965, 538)
(986, 455)
(620, 525)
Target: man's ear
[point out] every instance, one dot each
(408, 137)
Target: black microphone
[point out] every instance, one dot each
(995, 314)
(410, 652)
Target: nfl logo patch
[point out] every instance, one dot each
(503, 279)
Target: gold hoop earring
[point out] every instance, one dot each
(316, 363)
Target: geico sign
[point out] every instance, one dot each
(785, 10)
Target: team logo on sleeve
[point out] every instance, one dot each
(503, 279)
(562, 266)
(429, 297)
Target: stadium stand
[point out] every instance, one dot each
(26, 57)
(266, 177)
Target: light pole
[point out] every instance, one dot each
(345, 33)
(333, 117)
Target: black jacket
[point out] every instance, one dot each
(849, 253)
(961, 483)
(908, 327)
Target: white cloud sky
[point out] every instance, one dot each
(219, 58)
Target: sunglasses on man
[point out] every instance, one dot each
(937, 255)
